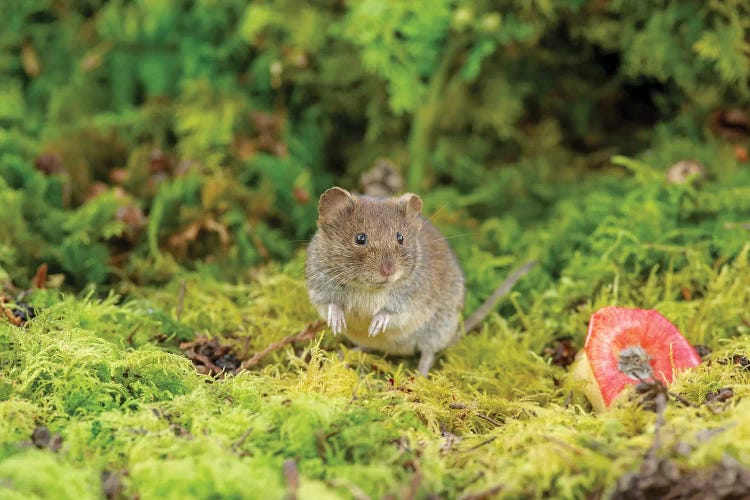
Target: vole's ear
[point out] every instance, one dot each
(410, 204)
(333, 201)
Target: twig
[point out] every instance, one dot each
(483, 416)
(416, 481)
(489, 419)
(356, 389)
(307, 334)
(473, 480)
(236, 445)
(291, 474)
(661, 404)
(473, 321)
(181, 299)
(206, 362)
(484, 495)
(424, 117)
(40, 278)
(483, 443)
(15, 320)
(356, 491)
(568, 399)
(565, 445)
(682, 400)
(132, 334)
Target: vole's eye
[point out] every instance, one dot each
(400, 238)
(360, 239)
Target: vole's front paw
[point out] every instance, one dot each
(378, 324)
(336, 319)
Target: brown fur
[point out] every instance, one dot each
(414, 309)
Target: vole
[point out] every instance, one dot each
(385, 277)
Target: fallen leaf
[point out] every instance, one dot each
(741, 154)
(40, 277)
(563, 352)
(210, 357)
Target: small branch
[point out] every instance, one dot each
(485, 494)
(661, 404)
(40, 278)
(416, 480)
(568, 400)
(356, 492)
(15, 320)
(483, 443)
(682, 400)
(305, 335)
(291, 474)
(181, 299)
(565, 445)
(489, 419)
(236, 446)
(207, 362)
(505, 287)
(423, 121)
(483, 416)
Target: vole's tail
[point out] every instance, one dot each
(476, 318)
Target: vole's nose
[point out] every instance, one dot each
(387, 268)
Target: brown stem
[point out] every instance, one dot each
(307, 334)
(424, 117)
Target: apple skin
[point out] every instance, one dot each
(613, 329)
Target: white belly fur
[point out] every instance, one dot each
(359, 310)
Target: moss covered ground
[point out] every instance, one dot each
(498, 415)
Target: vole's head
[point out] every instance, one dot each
(369, 242)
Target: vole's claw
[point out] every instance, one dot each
(378, 324)
(336, 319)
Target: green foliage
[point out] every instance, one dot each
(268, 95)
(401, 42)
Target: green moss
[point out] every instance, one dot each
(108, 375)
(37, 474)
(348, 428)
(207, 476)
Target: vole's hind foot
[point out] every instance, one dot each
(378, 324)
(336, 319)
(426, 359)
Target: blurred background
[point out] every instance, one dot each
(138, 138)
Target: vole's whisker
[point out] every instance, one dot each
(447, 238)
(431, 216)
(335, 278)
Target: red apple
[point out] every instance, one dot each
(617, 333)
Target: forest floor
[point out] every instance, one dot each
(201, 387)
